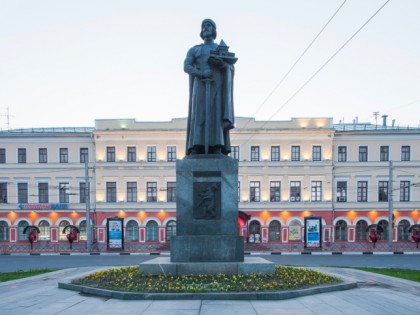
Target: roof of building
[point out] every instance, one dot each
(51, 130)
(241, 123)
(372, 127)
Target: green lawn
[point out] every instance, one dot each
(408, 274)
(7, 276)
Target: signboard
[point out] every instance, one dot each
(43, 206)
(115, 237)
(313, 229)
(294, 233)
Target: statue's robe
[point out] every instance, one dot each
(221, 116)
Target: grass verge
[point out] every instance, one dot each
(130, 279)
(19, 274)
(407, 274)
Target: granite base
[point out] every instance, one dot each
(163, 265)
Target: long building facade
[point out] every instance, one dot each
(353, 176)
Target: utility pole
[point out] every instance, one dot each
(88, 226)
(7, 117)
(390, 203)
(376, 119)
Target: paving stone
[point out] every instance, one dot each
(41, 296)
(180, 305)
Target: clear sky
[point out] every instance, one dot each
(65, 63)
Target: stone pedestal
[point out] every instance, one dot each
(207, 210)
(163, 266)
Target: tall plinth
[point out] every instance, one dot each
(207, 210)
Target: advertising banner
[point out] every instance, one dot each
(294, 233)
(115, 233)
(313, 230)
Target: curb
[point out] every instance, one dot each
(245, 253)
(279, 295)
(344, 253)
(85, 254)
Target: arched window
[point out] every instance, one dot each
(44, 230)
(132, 231)
(82, 230)
(361, 233)
(295, 230)
(63, 224)
(255, 232)
(274, 231)
(341, 231)
(152, 231)
(4, 231)
(170, 230)
(21, 226)
(383, 229)
(403, 227)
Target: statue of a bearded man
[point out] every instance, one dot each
(210, 117)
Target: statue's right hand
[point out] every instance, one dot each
(207, 74)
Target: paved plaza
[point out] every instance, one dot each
(376, 295)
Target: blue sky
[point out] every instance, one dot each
(67, 63)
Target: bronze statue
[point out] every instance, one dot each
(210, 113)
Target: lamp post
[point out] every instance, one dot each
(390, 203)
(87, 194)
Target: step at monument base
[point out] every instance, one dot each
(163, 265)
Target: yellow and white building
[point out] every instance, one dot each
(288, 170)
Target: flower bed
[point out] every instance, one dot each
(130, 279)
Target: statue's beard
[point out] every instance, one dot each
(207, 34)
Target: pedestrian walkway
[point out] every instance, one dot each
(376, 295)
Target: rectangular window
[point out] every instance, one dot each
(3, 192)
(295, 191)
(384, 153)
(21, 155)
(235, 152)
(2, 155)
(342, 154)
(295, 153)
(171, 153)
(131, 191)
(111, 192)
(84, 155)
(254, 191)
(275, 153)
(151, 191)
(316, 191)
(362, 191)
(131, 154)
(43, 193)
(405, 153)
(405, 190)
(171, 192)
(63, 193)
(151, 154)
(64, 155)
(316, 153)
(363, 154)
(383, 190)
(22, 192)
(255, 153)
(110, 154)
(42, 155)
(341, 191)
(275, 191)
(82, 193)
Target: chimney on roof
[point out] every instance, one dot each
(384, 117)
